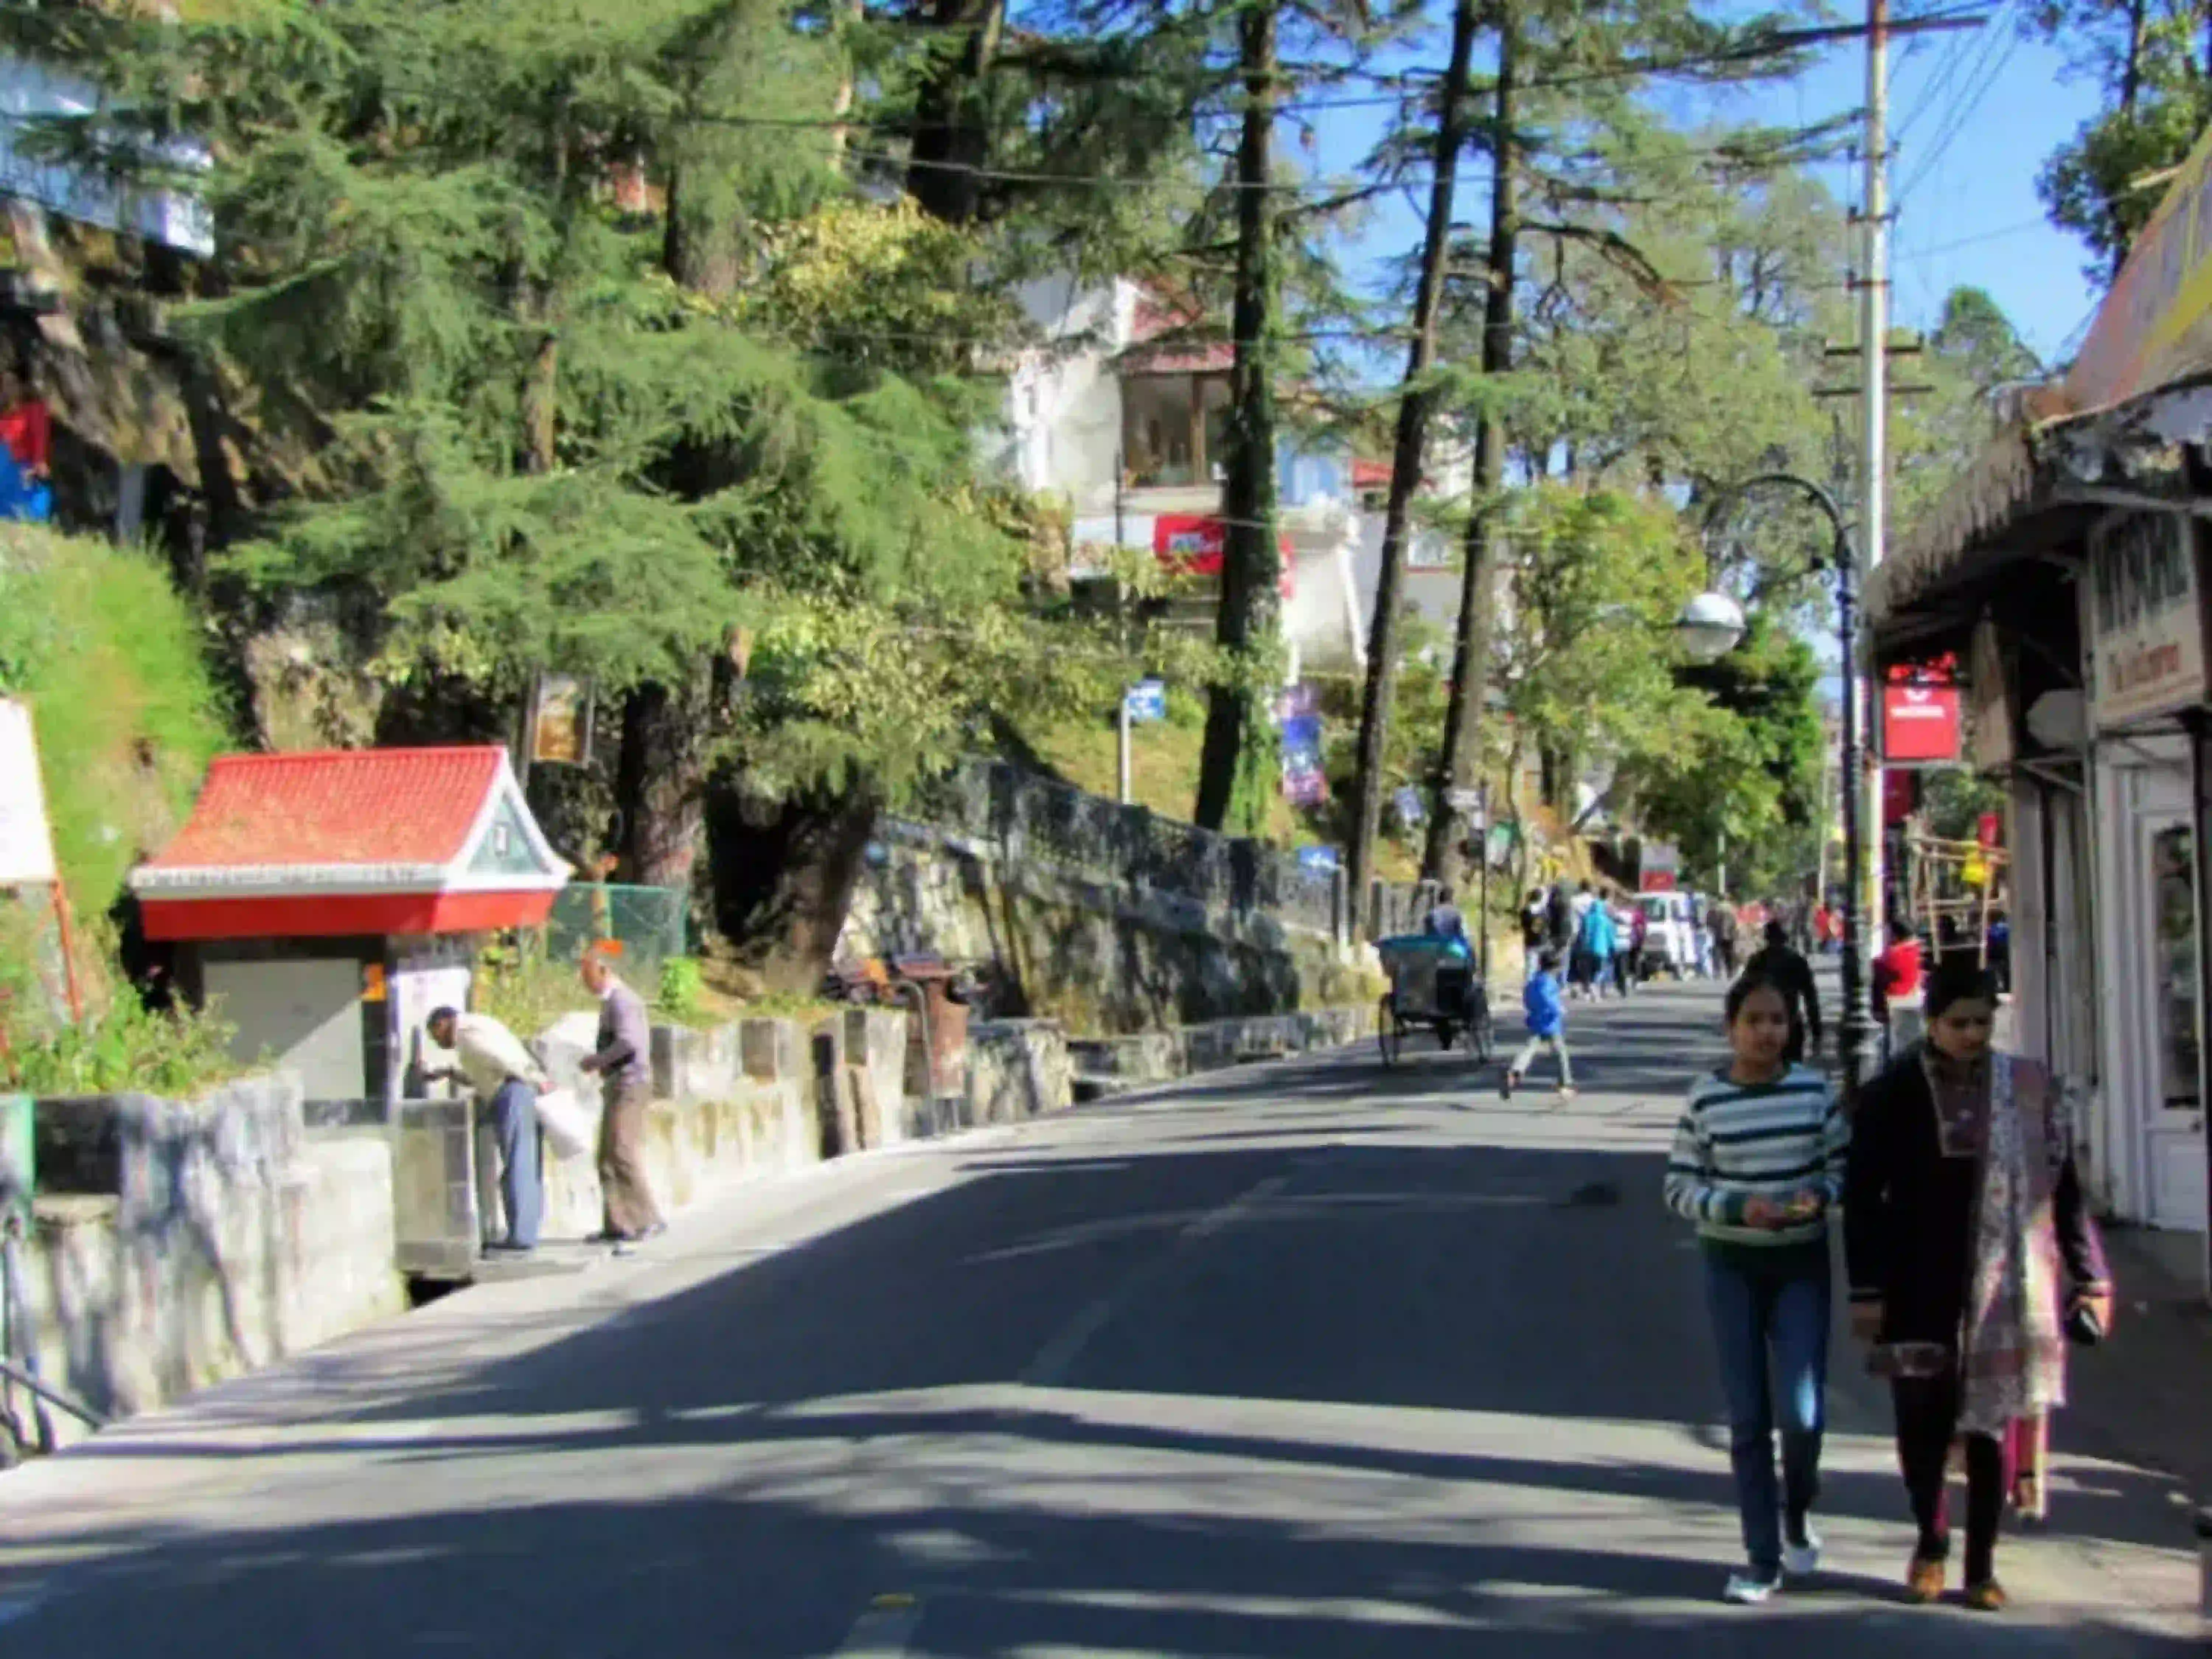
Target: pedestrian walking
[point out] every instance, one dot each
(1757, 1165)
(1721, 923)
(1779, 964)
(1896, 985)
(622, 1059)
(1594, 950)
(1545, 1004)
(1639, 940)
(1972, 1261)
(506, 1079)
(1535, 933)
(1559, 918)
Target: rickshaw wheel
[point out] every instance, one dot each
(1389, 1035)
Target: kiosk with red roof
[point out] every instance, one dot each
(332, 900)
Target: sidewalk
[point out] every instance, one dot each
(2145, 1396)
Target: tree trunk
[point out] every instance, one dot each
(785, 874)
(1416, 401)
(660, 786)
(952, 136)
(1470, 680)
(1234, 778)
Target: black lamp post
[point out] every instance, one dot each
(1710, 626)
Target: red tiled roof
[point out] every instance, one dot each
(372, 806)
(1158, 316)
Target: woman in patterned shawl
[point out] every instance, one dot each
(1971, 1259)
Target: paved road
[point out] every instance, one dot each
(1312, 1360)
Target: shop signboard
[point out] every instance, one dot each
(2145, 597)
(561, 720)
(1660, 869)
(1920, 723)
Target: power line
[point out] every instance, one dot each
(1994, 63)
(1975, 241)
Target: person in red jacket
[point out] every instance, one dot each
(26, 425)
(1896, 981)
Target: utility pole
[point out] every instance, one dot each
(1854, 1026)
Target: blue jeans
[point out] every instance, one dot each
(1780, 1307)
(514, 1120)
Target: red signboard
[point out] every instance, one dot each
(1194, 542)
(1986, 831)
(1657, 881)
(1920, 724)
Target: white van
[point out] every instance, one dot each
(1670, 939)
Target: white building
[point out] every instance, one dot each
(1126, 421)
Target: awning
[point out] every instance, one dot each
(2035, 491)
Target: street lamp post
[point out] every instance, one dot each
(1710, 627)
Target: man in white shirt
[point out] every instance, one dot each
(507, 1077)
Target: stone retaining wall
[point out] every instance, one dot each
(173, 1245)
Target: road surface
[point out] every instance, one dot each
(1308, 1359)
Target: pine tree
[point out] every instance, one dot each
(545, 429)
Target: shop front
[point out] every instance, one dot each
(2143, 605)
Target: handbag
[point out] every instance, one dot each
(563, 1123)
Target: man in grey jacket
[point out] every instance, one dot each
(622, 1059)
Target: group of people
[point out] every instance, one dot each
(1971, 1260)
(1600, 941)
(507, 1080)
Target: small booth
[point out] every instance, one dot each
(332, 900)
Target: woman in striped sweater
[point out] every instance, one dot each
(1757, 1165)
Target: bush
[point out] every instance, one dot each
(126, 1049)
(520, 986)
(683, 991)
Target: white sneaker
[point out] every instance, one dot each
(1802, 1560)
(1747, 1589)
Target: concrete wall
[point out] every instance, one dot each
(173, 1245)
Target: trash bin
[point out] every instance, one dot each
(937, 1049)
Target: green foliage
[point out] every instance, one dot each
(518, 984)
(111, 663)
(1746, 788)
(2154, 66)
(1953, 800)
(121, 1048)
(682, 991)
(1584, 656)
(548, 430)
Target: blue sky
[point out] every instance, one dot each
(1974, 115)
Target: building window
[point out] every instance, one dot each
(1175, 430)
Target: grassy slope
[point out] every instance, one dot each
(127, 717)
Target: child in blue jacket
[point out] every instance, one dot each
(1545, 1004)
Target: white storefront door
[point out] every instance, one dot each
(2174, 1119)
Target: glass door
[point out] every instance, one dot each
(2175, 1114)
